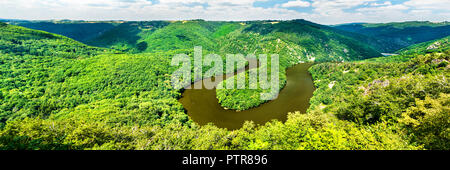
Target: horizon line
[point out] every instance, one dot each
(169, 20)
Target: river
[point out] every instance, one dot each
(202, 105)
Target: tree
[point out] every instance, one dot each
(142, 46)
(429, 122)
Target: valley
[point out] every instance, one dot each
(109, 87)
(203, 107)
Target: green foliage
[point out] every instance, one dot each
(220, 37)
(370, 93)
(182, 35)
(127, 36)
(243, 99)
(317, 132)
(30, 60)
(439, 45)
(294, 41)
(80, 31)
(299, 132)
(20, 41)
(38, 134)
(429, 121)
(58, 94)
(390, 37)
(225, 30)
(126, 88)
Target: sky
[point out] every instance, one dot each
(319, 11)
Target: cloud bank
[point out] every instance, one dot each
(320, 11)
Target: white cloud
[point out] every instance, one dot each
(384, 9)
(296, 4)
(335, 8)
(429, 4)
(381, 4)
(337, 4)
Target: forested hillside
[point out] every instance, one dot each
(127, 36)
(439, 45)
(411, 96)
(30, 62)
(57, 93)
(298, 36)
(80, 31)
(133, 36)
(295, 41)
(390, 37)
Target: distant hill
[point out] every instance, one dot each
(391, 37)
(21, 41)
(304, 40)
(438, 45)
(405, 54)
(300, 39)
(80, 31)
(29, 61)
(127, 36)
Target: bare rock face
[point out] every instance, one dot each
(379, 82)
(438, 61)
(373, 84)
(331, 85)
(434, 46)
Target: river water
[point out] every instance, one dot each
(203, 107)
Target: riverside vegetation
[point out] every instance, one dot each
(58, 93)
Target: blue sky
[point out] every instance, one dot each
(320, 11)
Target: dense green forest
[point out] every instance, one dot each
(133, 36)
(217, 36)
(297, 41)
(57, 93)
(294, 41)
(80, 31)
(390, 37)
